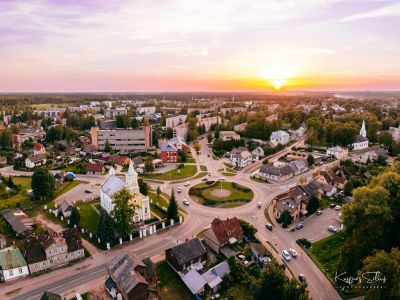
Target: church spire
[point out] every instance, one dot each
(131, 180)
(363, 131)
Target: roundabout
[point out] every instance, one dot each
(221, 194)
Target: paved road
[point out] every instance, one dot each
(199, 218)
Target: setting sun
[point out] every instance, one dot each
(277, 76)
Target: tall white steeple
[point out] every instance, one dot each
(363, 132)
(132, 178)
(111, 171)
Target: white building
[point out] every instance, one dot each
(280, 137)
(112, 112)
(209, 121)
(240, 127)
(35, 160)
(337, 152)
(181, 131)
(229, 136)
(240, 158)
(171, 122)
(361, 139)
(12, 264)
(146, 110)
(298, 133)
(114, 184)
(395, 132)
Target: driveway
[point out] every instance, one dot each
(316, 227)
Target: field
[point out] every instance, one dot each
(226, 194)
(89, 215)
(170, 286)
(186, 172)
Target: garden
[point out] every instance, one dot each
(221, 194)
(181, 172)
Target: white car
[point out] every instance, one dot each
(187, 183)
(241, 257)
(293, 253)
(180, 189)
(259, 204)
(186, 201)
(332, 229)
(285, 255)
(338, 207)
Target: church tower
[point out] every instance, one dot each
(131, 180)
(363, 132)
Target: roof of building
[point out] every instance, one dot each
(11, 258)
(242, 153)
(138, 160)
(150, 271)
(225, 229)
(188, 251)
(72, 239)
(291, 199)
(37, 157)
(214, 276)
(50, 296)
(194, 281)
(280, 171)
(33, 250)
(168, 148)
(299, 165)
(122, 267)
(38, 146)
(97, 168)
(112, 185)
(361, 139)
(18, 220)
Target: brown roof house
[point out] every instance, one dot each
(295, 201)
(35, 160)
(50, 249)
(20, 223)
(331, 178)
(222, 234)
(127, 277)
(187, 256)
(94, 169)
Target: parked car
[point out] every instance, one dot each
(302, 278)
(332, 205)
(208, 155)
(186, 201)
(269, 226)
(187, 183)
(205, 179)
(88, 191)
(259, 204)
(241, 257)
(338, 207)
(332, 229)
(285, 255)
(293, 253)
(299, 226)
(319, 212)
(179, 189)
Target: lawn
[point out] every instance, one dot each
(203, 168)
(190, 158)
(203, 192)
(170, 286)
(158, 205)
(255, 179)
(228, 174)
(89, 216)
(24, 182)
(186, 172)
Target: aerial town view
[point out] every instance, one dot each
(233, 150)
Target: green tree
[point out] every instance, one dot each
(313, 205)
(172, 211)
(310, 160)
(122, 121)
(43, 184)
(182, 156)
(135, 123)
(295, 291)
(348, 188)
(74, 218)
(388, 266)
(107, 146)
(143, 187)
(148, 165)
(273, 282)
(197, 147)
(158, 192)
(209, 137)
(105, 228)
(169, 133)
(385, 138)
(123, 212)
(285, 218)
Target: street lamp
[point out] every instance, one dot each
(220, 180)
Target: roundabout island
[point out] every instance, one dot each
(221, 194)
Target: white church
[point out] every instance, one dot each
(114, 184)
(361, 139)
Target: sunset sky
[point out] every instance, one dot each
(172, 45)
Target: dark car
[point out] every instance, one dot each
(332, 205)
(269, 226)
(302, 278)
(88, 191)
(299, 226)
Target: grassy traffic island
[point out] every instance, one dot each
(224, 195)
(181, 172)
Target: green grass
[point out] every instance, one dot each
(228, 174)
(230, 205)
(89, 216)
(186, 172)
(24, 182)
(267, 215)
(325, 202)
(203, 193)
(215, 157)
(171, 287)
(203, 168)
(69, 186)
(255, 179)
(158, 205)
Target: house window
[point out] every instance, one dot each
(36, 266)
(20, 270)
(11, 272)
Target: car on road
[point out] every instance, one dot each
(88, 191)
(179, 189)
(299, 226)
(332, 205)
(293, 253)
(332, 229)
(338, 207)
(259, 204)
(205, 179)
(209, 173)
(269, 226)
(285, 255)
(185, 201)
(187, 183)
(302, 278)
(208, 155)
(319, 212)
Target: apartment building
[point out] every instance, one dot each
(171, 122)
(125, 140)
(208, 122)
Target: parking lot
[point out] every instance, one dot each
(316, 227)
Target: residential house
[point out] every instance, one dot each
(169, 153)
(50, 249)
(331, 178)
(38, 148)
(208, 122)
(299, 166)
(189, 255)
(65, 208)
(240, 157)
(257, 152)
(297, 134)
(317, 189)
(93, 168)
(260, 254)
(126, 275)
(337, 152)
(229, 136)
(59, 177)
(35, 160)
(361, 141)
(19, 222)
(280, 172)
(12, 264)
(368, 154)
(179, 144)
(222, 234)
(295, 201)
(280, 137)
(240, 127)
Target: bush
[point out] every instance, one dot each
(304, 243)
